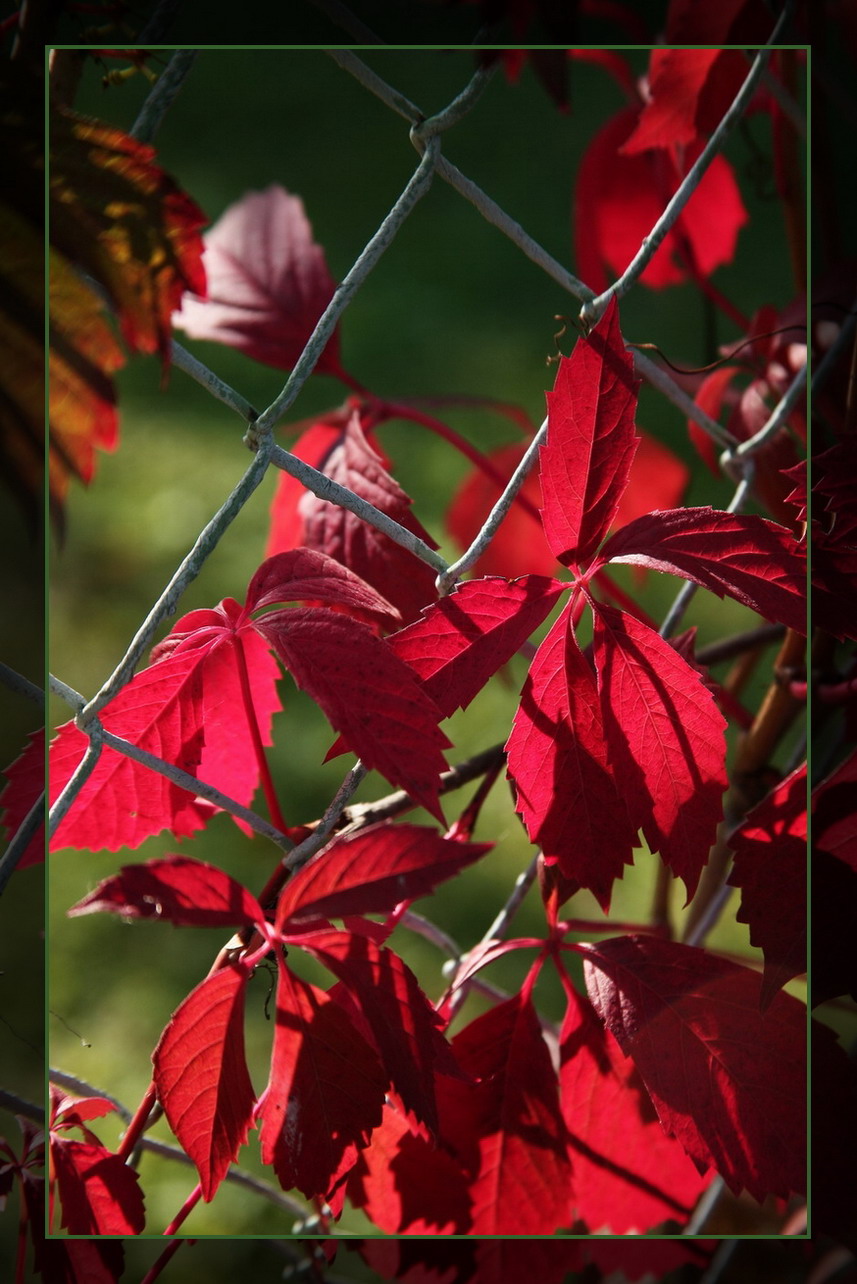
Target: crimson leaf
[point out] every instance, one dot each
(307, 574)
(507, 1130)
(590, 445)
(771, 869)
(177, 889)
(367, 693)
(100, 1194)
(201, 1075)
(664, 740)
(753, 560)
(373, 870)
(566, 793)
(460, 641)
(325, 1090)
(727, 1081)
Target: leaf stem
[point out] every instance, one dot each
(164, 1258)
(138, 1122)
(184, 1212)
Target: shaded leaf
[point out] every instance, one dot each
(268, 282)
(177, 889)
(99, 1193)
(367, 693)
(308, 574)
(728, 1082)
(201, 1075)
(770, 867)
(325, 1091)
(628, 1175)
(747, 557)
(372, 870)
(25, 781)
(665, 740)
(586, 459)
(557, 757)
(461, 641)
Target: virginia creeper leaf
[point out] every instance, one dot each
(507, 1130)
(367, 693)
(690, 89)
(727, 1081)
(753, 560)
(461, 641)
(404, 1025)
(268, 282)
(628, 1175)
(406, 1185)
(342, 452)
(25, 781)
(373, 870)
(519, 547)
(100, 1194)
(770, 867)
(307, 574)
(201, 1075)
(590, 445)
(325, 1091)
(665, 740)
(566, 793)
(177, 889)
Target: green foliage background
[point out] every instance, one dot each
(452, 308)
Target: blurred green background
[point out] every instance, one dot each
(452, 308)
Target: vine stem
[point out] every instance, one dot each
(138, 1122)
(165, 1257)
(185, 1211)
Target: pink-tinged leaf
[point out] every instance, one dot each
(566, 793)
(586, 459)
(462, 640)
(177, 889)
(618, 199)
(749, 558)
(68, 1111)
(690, 89)
(325, 1092)
(834, 809)
(367, 694)
(373, 870)
(770, 867)
(507, 1130)
(665, 740)
(403, 1024)
(305, 574)
(99, 1193)
(407, 1186)
(122, 803)
(25, 781)
(201, 1075)
(726, 1080)
(628, 1175)
(268, 282)
(345, 455)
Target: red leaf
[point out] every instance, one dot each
(404, 1025)
(462, 640)
(519, 546)
(618, 199)
(507, 1130)
(753, 560)
(628, 1175)
(201, 1075)
(834, 827)
(726, 1081)
(177, 889)
(367, 693)
(268, 282)
(305, 574)
(690, 89)
(70, 1261)
(664, 740)
(68, 1111)
(373, 870)
(586, 458)
(325, 1091)
(345, 455)
(407, 1186)
(557, 757)
(25, 780)
(771, 869)
(100, 1194)
(658, 479)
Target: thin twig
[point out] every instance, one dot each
(17, 682)
(163, 94)
(19, 1106)
(20, 840)
(317, 839)
(212, 383)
